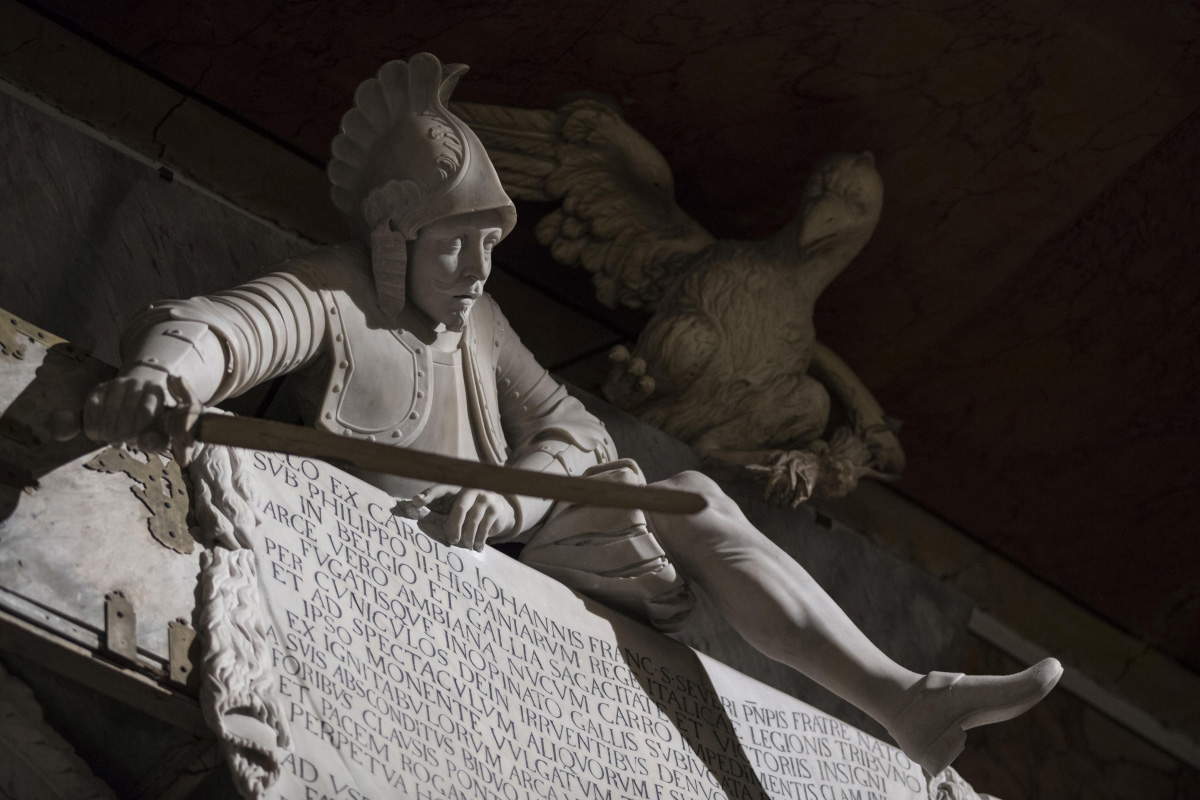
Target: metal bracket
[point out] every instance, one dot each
(179, 644)
(120, 627)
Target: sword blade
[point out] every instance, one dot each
(297, 440)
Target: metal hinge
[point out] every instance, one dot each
(180, 637)
(120, 627)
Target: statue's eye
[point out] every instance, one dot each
(451, 246)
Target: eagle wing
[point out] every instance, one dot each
(618, 218)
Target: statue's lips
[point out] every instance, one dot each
(461, 292)
(465, 300)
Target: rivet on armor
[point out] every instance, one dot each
(343, 365)
(336, 388)
(420, 374)
(328, 415)
(395, 434)
(333, 312)
(516, 395)
(420, 395)
(371, 438)
(412, 415)
(337, 337)
(151, 360)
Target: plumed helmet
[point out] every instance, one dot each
(402, 160)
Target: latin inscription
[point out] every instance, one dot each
(410, 669)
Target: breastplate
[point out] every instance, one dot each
(379, 378)
(373, 381)
(448, 431)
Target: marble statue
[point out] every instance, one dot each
(391, 338)
(729, 361)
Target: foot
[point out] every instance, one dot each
(938, 709)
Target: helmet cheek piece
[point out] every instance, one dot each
(384, 211)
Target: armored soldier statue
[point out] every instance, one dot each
(390, 338)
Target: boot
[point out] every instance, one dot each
(931, 725)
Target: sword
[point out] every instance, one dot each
(298, 440)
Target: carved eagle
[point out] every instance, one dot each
(729, 361)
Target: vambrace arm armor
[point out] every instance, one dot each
(227, 342)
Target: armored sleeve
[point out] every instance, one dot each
(548, 429)
(535, 408)
(227, 342)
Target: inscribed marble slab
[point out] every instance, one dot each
(405, 668)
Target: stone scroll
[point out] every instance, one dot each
(351, 655)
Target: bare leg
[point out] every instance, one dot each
(778, 607)
(775, 604)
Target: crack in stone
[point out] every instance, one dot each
(162, 146)
(1125, 668)
(19, 47)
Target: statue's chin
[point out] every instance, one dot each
(456, 321)
(443, 319)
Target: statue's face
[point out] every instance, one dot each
(451, 260)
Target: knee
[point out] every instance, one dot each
(691, 481)
(696, 482)
(719, 503)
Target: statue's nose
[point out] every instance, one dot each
(475, 262)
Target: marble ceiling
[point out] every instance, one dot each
(1028, 304)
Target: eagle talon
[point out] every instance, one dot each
(829, 468)
(790, 477)
(619, 353)
(628, 382)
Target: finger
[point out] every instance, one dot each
(441, 497)
(487, 529)
(434, 492)
(417, 506)
(93, 408)
(180, 390)
(110, 415)
(147, 409)
(177, 420)
(152, 433)
(126, 428)
(458, 513)
(474, 530)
